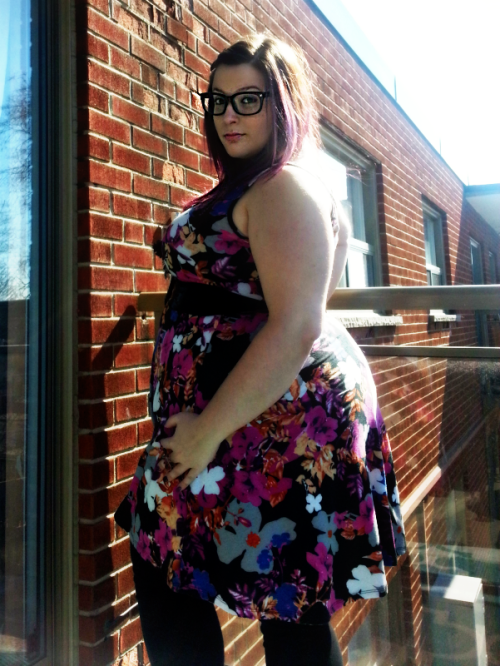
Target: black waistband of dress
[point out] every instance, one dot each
(205, 299)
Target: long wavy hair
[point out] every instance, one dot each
(288, 78)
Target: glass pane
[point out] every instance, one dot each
(430, 241)
(443, 606)
(21, 555)
(477, 264)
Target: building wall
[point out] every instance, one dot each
(141, 155)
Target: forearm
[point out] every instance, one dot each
(263, 374)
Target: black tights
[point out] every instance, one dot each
(181, 630)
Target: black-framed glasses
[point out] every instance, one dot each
(246, 103)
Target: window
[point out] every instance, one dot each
(353, 184)
(476, 261)
(492, 260)
(434, 253)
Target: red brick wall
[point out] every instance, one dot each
(141, 155)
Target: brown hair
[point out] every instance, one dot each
(295, 120)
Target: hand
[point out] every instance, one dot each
(188, 450)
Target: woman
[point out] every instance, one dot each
(268, 487)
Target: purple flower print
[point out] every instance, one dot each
(243, 441)
(357, 442)
(228, 243)
(166, 345)
(334, 604)
(182, 364)
(143, 545)
(320, 427)
(163, 538)
(223, 268)
(363, 524)
(322, 562)
(250, 487)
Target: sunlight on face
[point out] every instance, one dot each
(242, 136)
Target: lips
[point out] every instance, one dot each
(232, 135)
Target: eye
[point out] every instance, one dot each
(219, 100)
(249, 99)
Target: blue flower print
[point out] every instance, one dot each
(280, 540)
(327, 525)
(201, 582)
(245, 535)
(285, 595)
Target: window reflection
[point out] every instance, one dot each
(21, 555)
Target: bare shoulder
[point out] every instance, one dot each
(292, 190)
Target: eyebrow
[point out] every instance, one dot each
(239, 89)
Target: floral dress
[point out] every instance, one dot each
(299, 506)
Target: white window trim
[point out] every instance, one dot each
(437, 316)
(340, 149)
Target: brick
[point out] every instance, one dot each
(107, 126)
(108, 78)
(102, 653)
(181, 155)
(131, 159)
(130, 635)
(100, 5)
(132, 207)
(148, 54)
(137, 92)
(150, 282)
(97, 565)
(95, 331)
(119, 383)
(144, 374)
(130, 22)
(131, 112)
(95, 47)
(95, 358)
(161, 215)
(196, 181)
(206, 52)
(93, 146)
(151, 144)
(96, 415)
(171, 173)
(93, 597)
(227, 32)
(207, 16)
(182, 95)
(125, 582)
(134, 233)
(125, 63)
(95, 305)
(181, 75)
(126, 465)
(102, 174)
(125, 304)
(95, 475)
(90, 250)
(133, 355)
(218, 42)
(149, 76)
(135, 257)
(166, 128)
(107, 29)
(195, 141)
(144, 328)
(166, 86)
(196, 64)
(92, 537)
(177, 30)
(145, 431)
(181, 116)
(89, 95)
(134, 407)
(105, 279)
(102, 226)
(180, 197)
(148, 187)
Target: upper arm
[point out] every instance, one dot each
(292, 243)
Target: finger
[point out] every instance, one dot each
(177, 471)
(188, 479)
(171, 422)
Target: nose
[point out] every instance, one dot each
(230, 114)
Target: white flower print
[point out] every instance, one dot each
(302, 389)
(313, 503)
(367, 584)
(395, 496)
(377, 481)
(176, 343)
(219, 601)
(156, 399)
(152, 491)
(326, 524)
(352, 375)
(207, 480)
(180, 220)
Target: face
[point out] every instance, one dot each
(242, 136)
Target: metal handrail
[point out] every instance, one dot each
(459, 297)
(432, 352)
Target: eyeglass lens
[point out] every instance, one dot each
(243, 103)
